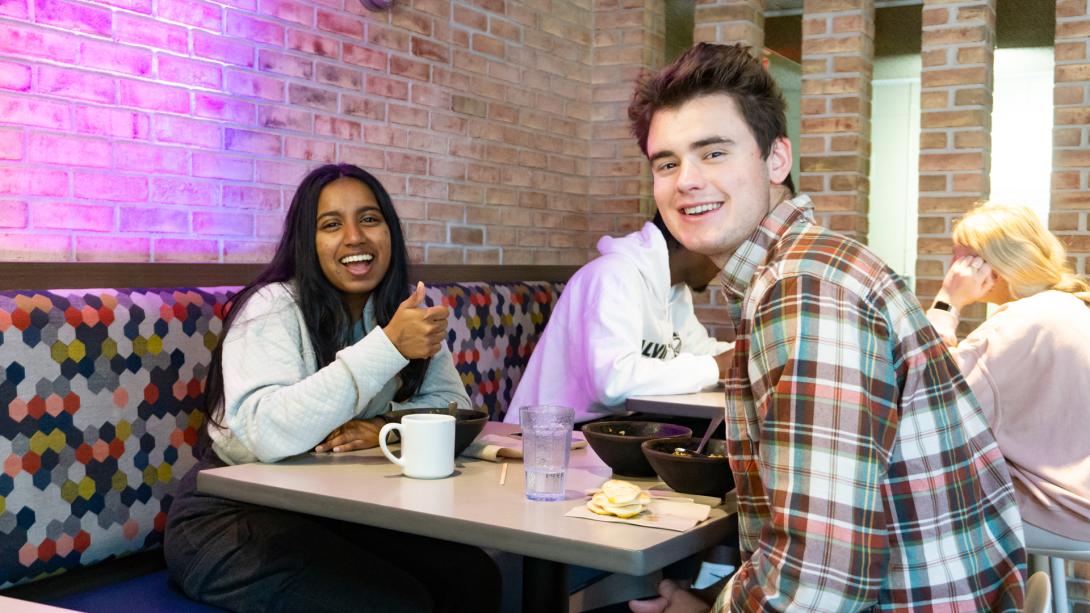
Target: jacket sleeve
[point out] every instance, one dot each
(274, 406)
(974, 354)
(441, 386)
(945, 323)
(824, 389)
(615, 307)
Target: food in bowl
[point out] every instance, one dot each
(617, 443)
(707, 474)
(691, 453)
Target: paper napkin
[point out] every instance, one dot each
(659, 513)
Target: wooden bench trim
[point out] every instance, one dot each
(79, 275)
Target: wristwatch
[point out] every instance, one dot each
(945, 306)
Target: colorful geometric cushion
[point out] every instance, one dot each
(492, 329)
(99, 391)
(98, 410)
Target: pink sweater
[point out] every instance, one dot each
(1029, 366)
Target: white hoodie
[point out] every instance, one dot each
(619, 330)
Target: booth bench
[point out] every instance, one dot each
(101, 373)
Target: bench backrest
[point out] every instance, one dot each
(99, 391)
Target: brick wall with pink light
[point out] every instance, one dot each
(176, 130)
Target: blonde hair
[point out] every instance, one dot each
(1020, 249)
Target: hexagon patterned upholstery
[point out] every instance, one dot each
(97, 414)
(98, 397)
(491, 332)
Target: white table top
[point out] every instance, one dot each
(701, 404)
(468, 507)
(11, 605)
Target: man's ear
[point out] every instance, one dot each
(779, 160)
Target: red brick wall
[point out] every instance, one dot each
(957, 52)
(729, 22)
(1070, 175)
(837, 63)
(629, 40)
(177, 130)
(1071, 132)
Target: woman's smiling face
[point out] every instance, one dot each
(353, 241)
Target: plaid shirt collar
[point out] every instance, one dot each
(737, 275)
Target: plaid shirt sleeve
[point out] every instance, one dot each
(824, 389)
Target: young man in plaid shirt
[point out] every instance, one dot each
(867, 477)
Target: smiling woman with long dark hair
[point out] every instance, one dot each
(326, 339)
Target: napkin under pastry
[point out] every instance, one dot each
(496, 447)
(658, 513)
(656, 491)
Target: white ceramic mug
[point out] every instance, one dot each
(427, 445)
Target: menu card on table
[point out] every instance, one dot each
(678, 514)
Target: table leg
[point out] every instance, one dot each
(544, 586)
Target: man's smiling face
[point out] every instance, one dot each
(711, 184)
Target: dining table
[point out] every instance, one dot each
(482, 503)
(708, 403)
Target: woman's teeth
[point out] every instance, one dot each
(352, 259)
(703, 208)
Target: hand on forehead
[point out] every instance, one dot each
(961, 251)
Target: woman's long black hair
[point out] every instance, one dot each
(296, 262)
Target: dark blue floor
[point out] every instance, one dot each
(151, 593)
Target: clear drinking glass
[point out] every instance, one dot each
(546, 446)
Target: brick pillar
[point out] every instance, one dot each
(958, 49)
(837, 63)
(629, 39)
(1071, 132)
(1070, 205)
(729, 22)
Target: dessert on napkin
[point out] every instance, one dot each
(619, 498)
(625, 502)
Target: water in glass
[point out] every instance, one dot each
(546, 440)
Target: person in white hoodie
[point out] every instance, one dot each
(624, 326)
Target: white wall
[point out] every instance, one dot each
(1022, 128)
(894, 163)
(1021, 145)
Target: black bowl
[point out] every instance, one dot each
(468, 424)
(707, 476)
(618, 443)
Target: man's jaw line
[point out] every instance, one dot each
(700, 213)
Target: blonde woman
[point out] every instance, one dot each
(1028, 364)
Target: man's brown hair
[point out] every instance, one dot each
(706, 69)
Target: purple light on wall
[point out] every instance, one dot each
(167, 131)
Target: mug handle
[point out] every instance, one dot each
(382, 442)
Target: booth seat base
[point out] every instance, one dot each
(152, 593)
(137, 582)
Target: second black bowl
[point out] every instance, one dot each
(467, 424)
(707, 475)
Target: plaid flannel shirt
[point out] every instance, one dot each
(867, 476)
